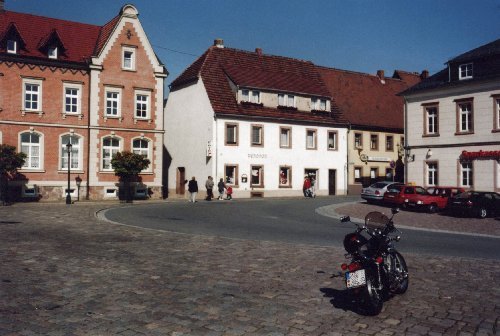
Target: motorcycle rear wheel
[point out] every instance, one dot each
(401, 269)
(374, 298)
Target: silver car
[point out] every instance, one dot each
(375, 192)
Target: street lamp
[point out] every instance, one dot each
(78, 181)
(68, 148)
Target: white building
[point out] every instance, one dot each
(452, 123)
(260, 122)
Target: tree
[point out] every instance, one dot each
(127, 166)
(10, 162)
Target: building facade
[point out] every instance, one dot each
(453, 123)
(98, 88)
(262, 123)
(376, 129)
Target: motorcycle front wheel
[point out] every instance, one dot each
(398, 265)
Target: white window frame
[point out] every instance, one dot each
(288, 131)
(259, 134)
(432, 115)
(250, 96)
(146, 94)
(145, 151)
(232, 178)
(335, 140)
(465, 115)
(28, 164)
(284, 100)
(52, 52)
(11, 46)
(466, 174)
(234, 141)
(132, 65)
(432, 174)
(38, 94)
(318, 104)
(314, 144)
(260, 173)
(285, 176)
(78, 88)
(76, 142)
(118, 100)
(497, 113)
(112, 150)
(465, 71)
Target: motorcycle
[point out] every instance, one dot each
(377, 270)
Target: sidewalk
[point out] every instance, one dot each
(63, 272)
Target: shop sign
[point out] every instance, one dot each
(366, 158)
(257, 156)
(481, 155)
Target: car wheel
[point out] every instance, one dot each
(482, 213)
(433, 208)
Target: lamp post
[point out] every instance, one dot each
(68, 148)
(78, 181)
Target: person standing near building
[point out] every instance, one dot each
(193, 189)
(221, 186)
(306, 187)
(209, 184)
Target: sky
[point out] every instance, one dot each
(356, 35)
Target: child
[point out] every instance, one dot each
(229, 192)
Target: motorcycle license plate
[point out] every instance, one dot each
(355, 279)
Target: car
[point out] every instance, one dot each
(375, 192)
(475, 203)
(436, 198)
(402, 195)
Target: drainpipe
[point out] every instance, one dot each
(405, 157)
(346, 176)
(87, 191)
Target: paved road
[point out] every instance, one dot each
(63, 272)
(300, 221)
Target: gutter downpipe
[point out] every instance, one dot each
(346, 178)
(405, 157)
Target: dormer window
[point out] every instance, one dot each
(250, 96)
(318, 104)
(128, 58)
(52, 52)
(11, 47)
(465, 71)
(286, 100)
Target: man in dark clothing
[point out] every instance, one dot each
(209, 185)
(193, 189)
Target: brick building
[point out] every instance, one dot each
(99, 88)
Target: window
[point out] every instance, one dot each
(141, 147)
(432, 173)
(286, 100)
(332, 140)
(285, 137)
(358, 174)
(257, 178)
(231, 174)
(75, 153)
(431, 120)
(52, 52)
(358, 140)
(496, 112)
(12, 47)
(72, 99)
(374, 141)
(110, 146)
(285, 178)
(32, 94)
(465, 117)
(465, 71)
(466, 172)
(257, 136)
(318, 104)
(389, 143)
(373, 174)
(232, 134)
(142, 105)
(128, 58)
(310, 139)
(113, 102)
(31, 146)
(251, 96)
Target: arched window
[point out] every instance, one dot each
(110, 146)
(75, 155)
(31, 146)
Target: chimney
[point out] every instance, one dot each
(258, 51)
(380, 74)
(219, 43)
(2, 3)
(424, 74)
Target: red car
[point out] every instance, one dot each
(402, 195)
(436, 200)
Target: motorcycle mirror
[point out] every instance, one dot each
(398, 238)
(344, 219)
(394, 210)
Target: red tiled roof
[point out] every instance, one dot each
(80, 40)
(367, 102)
(217, 66)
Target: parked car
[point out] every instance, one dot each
(401, 195)
(436, 198)
(475, 203)
(375, 192)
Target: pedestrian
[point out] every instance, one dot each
(209, 184)
(221, 186)
(306, 187)
(193, 189)
(229, 193)
(313, 187)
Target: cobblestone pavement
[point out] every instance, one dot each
(66, 273)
